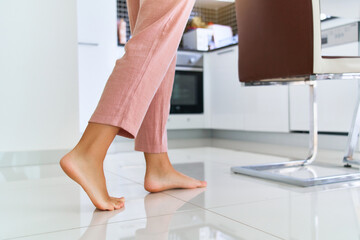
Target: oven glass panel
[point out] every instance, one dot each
(187, 94)
(185, 90)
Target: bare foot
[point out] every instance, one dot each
(160, 175)
(89, 174)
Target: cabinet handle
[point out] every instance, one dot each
(227, 51)
(88, 44)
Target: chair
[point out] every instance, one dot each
(280, 43)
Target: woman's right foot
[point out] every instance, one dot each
(89, 174)
(160, 175)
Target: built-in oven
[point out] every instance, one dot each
(188, 91)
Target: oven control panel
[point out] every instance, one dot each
(189, 59)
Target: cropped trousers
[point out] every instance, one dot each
(136, 97)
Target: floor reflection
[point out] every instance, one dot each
(99, 219)
(159, 215)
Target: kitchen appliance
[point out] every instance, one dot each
(188, 90)
(197, 39)
(222, 35)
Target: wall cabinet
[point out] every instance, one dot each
(236, 107)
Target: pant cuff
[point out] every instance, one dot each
(125, 130)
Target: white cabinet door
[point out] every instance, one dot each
(220, 70)
(186, 121)
(92, 79)
(265, 108)
(336, 103)
(94, 70)
(237, 107)
(98, 52)
(89, 25)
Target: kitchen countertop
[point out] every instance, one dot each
(192, 50)
(212, 50)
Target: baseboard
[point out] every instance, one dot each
(326, 141)
(293, 145)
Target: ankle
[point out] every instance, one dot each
(88, 153)
(157, 161)
(158, 165)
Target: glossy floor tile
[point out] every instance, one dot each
(198, 224)
(319, 215)
(41, 202)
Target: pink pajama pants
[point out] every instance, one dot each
(136, 97)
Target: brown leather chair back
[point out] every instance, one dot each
(275, 39)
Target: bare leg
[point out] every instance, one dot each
(84, 164)
(160, 175)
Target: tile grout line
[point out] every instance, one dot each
(244, 224)
(124, 177)
(244, 203)
(209, 210)
(109, 223)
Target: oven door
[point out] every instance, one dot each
(187, 96)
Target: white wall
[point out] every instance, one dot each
(38, 75)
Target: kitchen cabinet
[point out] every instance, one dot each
(94, 71)
(88, 21)
(92, 78)
(336, 101)
(265, 108)
(220, 69)
(186, 121)
(97, 51)
(236, 107)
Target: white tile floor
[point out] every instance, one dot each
(40, 202)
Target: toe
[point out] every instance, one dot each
(203, 183)
(118, 204)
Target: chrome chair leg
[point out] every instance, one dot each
(262, 171)
(353, 137)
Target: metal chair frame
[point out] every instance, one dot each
(260, 170)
